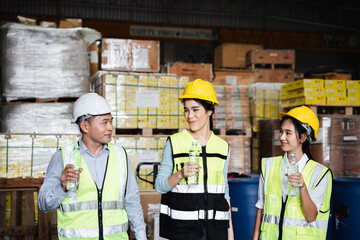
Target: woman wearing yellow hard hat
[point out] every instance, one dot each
(294, 190)
(195, 202)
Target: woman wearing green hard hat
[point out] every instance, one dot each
(294, 190)
(195, 201)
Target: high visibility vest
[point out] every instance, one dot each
(91, 213)
(285, 220)
(189, 209)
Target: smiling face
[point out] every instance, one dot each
(98, 129)
(196, 115)
(289, 137)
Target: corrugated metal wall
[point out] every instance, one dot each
(291, 15)
(295, 15)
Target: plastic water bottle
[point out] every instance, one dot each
(194, 154)
(293, 168)
(75, 159)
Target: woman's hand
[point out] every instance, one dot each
(296, 180)
(190, 169)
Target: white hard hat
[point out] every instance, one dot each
(90, 104)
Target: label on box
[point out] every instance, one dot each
(231, 80)
(350, 138)
(147, 98)
(141, 58)
(146, 156)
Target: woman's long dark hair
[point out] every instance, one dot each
(209, 106)
(300, 130)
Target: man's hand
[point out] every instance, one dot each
(69, 174)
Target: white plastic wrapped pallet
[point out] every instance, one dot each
(40, 62)
(44, 118)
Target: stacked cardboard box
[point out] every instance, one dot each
(264, 102)
(193, 71)
(233, 110)
(240, 154)
(142, 100)
(28, 155)
(320, 92)
(232, 55)
(113, 54)
(271, 65)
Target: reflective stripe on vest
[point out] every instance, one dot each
(293, 222)
(193, 215)
(78, 213)
(92, 232)
(199, 188)
(293, 216)
(90, 205)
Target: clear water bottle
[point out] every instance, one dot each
(194, 154)
(293, 168)
(75, 159)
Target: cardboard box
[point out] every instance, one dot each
(277, 75)
(194, 71)
(130, 55)
(232, 55)
(270, 56)
(70, 23)
(233, 77)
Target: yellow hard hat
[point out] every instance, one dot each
(200, 89)
(304, 115)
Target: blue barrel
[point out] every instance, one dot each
(345, 209)
(244, 194)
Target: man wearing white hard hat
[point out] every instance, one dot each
(105, 199)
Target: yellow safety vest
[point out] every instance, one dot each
(90, 213)
(285, 220)
(188, 209)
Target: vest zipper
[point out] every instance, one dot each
(281, 221)
(100, 218)
(100, 215)
(205, 182)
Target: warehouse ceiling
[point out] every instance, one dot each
(294, 15)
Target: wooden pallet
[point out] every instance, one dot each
(231, 132)
(146, 131)
(17, 187)
(333, 109)
(38, 100)
(272, 66)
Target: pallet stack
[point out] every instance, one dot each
(52, 70)
(271, 65)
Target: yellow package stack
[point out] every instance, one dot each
(265, 102)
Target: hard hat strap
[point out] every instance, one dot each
(308, 130)
(83, 117)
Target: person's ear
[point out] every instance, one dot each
(84, 125)
(303, 137)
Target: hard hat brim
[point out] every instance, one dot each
(182, 97)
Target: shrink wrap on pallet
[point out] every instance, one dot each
(45, 62)
(43, 118)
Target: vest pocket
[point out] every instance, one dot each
(306, 233)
